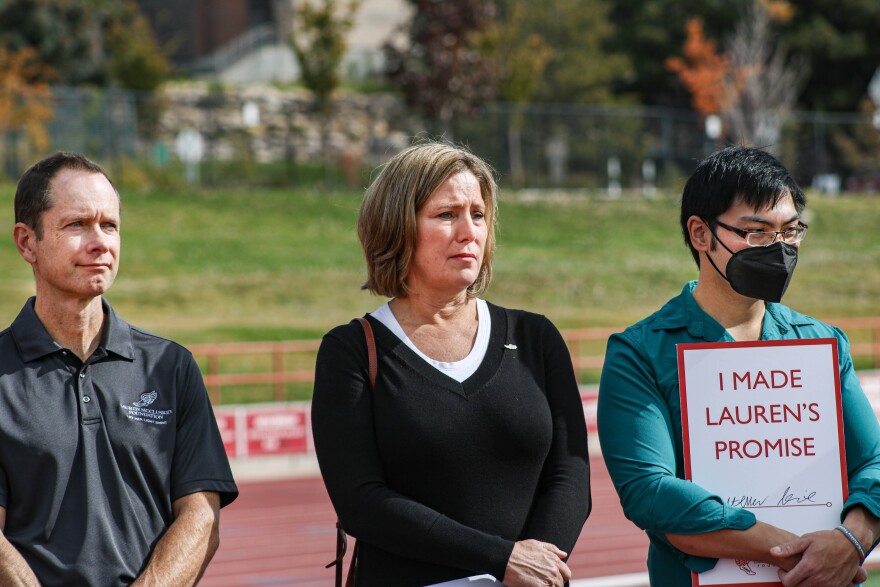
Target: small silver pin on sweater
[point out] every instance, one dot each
(510, 346)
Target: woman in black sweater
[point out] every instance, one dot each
(469, 457)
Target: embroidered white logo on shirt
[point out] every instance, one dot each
(510, 346)
(140, 412)
(147, 399)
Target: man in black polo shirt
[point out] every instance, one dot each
(112, 470)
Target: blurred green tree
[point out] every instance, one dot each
(841, 39)
(520, 58)
(62, 32)
(135, 59)
(583, 68)
(98, 42)
(318, 40)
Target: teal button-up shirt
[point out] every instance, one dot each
(640, 429)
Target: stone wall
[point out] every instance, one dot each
(269, 124)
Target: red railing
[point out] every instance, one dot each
(276, 373)
(864, 335)
(278, 363)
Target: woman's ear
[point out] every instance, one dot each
(700, 235)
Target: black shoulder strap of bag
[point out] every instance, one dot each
(341, 538)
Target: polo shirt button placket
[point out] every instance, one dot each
(89, 408)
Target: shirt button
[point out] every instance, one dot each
(82, 375)
(86, 399)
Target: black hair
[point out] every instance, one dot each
(752, 176)
(32, 196)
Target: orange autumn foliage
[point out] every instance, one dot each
(25, 97)
(779, 10)
(703, 70)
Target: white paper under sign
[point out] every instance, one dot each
(762, 428)
(475, 581)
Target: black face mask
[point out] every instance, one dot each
(760, 272)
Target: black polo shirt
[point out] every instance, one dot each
(93, 454)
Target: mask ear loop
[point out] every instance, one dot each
(708, 256)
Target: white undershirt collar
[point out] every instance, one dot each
(458, 370)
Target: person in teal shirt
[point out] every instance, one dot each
(741, 217)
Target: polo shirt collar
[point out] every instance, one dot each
(684, 312)
(34, 342)
(779, 320)
(30, 335)
(117, 335)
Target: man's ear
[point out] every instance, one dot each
(25, 237)
(701, 236)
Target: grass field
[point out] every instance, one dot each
(276, 264)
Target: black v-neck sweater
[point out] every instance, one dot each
(437, 479)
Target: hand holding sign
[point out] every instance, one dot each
(829, 553)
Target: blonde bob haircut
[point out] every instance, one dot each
(387, 220)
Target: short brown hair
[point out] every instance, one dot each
(32, 196)
(387, 220)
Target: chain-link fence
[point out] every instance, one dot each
(272, 137)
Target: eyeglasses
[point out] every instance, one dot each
(764, 238)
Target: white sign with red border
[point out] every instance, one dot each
(762, 428)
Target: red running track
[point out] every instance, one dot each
(282, 533)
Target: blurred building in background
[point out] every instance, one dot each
(246, 41)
